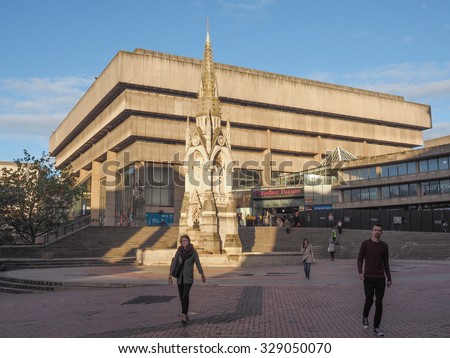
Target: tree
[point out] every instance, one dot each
(35, 197)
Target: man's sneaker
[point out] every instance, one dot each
(378, 332)
(365, 322)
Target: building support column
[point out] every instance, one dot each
(110, 183)
(95, 190)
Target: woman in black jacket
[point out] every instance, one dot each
(185, 256)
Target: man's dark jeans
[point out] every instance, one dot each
(374, 286)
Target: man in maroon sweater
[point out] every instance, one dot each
(374, 254)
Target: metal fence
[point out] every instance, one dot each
(400, 220)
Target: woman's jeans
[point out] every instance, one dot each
(307, 268)
(183, 291)
(374, 286)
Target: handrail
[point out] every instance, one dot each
(63, 230)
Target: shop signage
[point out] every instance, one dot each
(277, 193)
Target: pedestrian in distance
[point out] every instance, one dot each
(184, 259)
(331, 247)
(339, 226)
(373, 269)
(307, 257)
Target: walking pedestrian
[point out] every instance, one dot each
(307, 257)
(339, 226)
(185, 256)
(331, 247)
(374, 255)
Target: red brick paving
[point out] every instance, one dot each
(246, 302)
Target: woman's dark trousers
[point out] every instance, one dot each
(374, 286)
(183, 291)
(307, 268)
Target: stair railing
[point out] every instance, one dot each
(63, 230)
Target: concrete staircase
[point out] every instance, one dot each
(98, 245)
(402, 245)
(17, 286)
(95, 245)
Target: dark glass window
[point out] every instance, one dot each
(403, 190)
(443, 163)
(432, 164)
(356, 194)
(365, 194)
(412, 189)
(394, 191)
(430, 188)
(423, 166)
(393, 170)
(373, 173)
(385, 192)
(355, 174)
(159, 188)
(445, 186)
(402, 169)
(364, 173)
(411, 167)
(246, 178)
(347, 195)
(373, 194)
(384, 171)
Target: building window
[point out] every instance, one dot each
(246, 178)
(412, 189)
(445, 186)
(428, 165)
(159, 184)
(393, 170)
(411, 167)
(430, 188)
(423, 166)
(385, 192)
(403, 190)
(394, 191)
(443, 163)
(384, 172)
(373, 193)
(433, 164)
(347, 195)
(363, 173)
(365, 194)
(402, 169)
(356, 194)
(372, 173)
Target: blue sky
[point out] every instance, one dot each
(52, 50)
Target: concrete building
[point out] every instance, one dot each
(125, 138)
(416, 179)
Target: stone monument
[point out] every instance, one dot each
(208, 211)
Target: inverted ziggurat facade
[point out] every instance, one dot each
(126, 138)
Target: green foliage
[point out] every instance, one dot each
(35, 197)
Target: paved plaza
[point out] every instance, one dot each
(245, 302)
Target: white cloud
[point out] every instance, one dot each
(34, 107)
(427, 83)
(414, 82)
(439, 129)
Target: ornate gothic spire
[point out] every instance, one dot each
(208, 96)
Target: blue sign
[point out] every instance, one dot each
(159, 219)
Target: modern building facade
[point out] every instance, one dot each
(417, 179)
(125, 138)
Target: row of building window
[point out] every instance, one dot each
(397, 191)
(404, 168)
